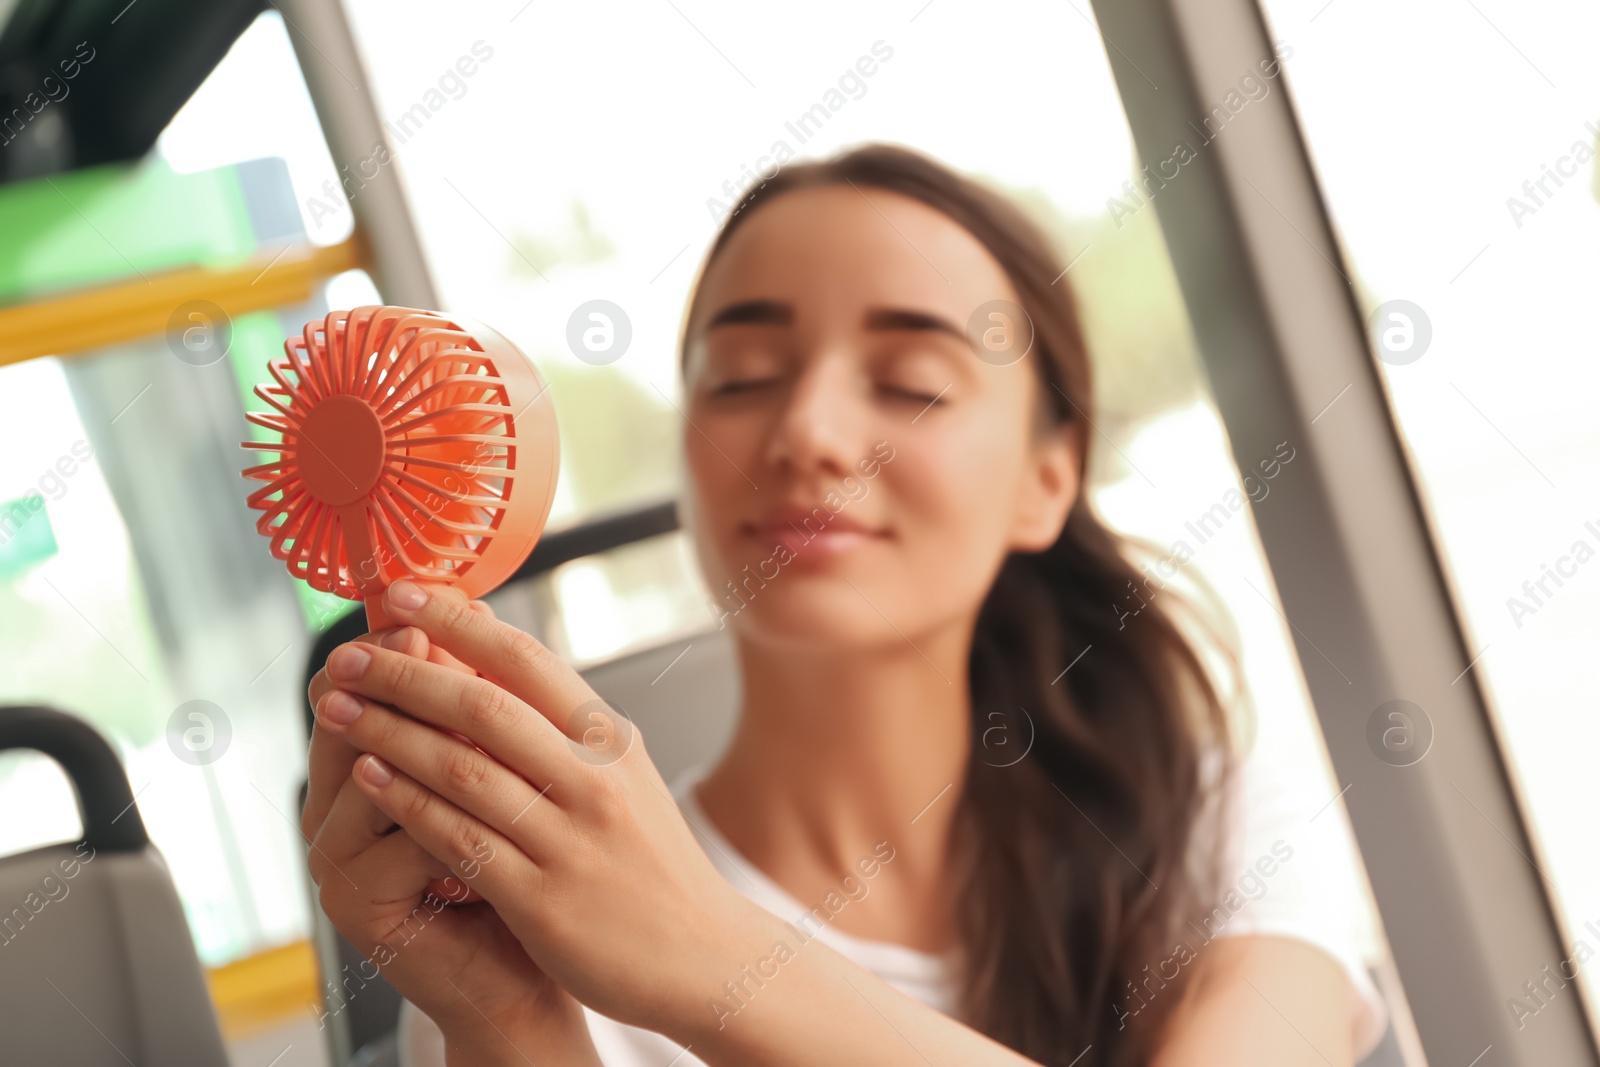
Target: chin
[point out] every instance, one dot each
(825, 614)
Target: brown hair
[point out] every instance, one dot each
(1080, 858)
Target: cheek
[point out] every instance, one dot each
(719, 451)
(952, 499)
(966, 475)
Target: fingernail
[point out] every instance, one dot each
(348, 662)
(407, 595)
(397, 640)
(340, 708)
(376, 772)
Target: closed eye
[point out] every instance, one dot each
(914, 395)
(744, 385)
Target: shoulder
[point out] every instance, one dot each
(1238, 996)
(1291, 874)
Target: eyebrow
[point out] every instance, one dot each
(906, 319)
(754, 312)
(779, 313)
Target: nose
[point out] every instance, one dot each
(818, 431)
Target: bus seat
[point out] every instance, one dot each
(97, 966)
(683, 695)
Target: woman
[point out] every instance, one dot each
(1007, 795)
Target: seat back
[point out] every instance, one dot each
(97, 967)
(684, 696)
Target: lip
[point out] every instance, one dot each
(789, 520)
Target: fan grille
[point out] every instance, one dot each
(397, 451)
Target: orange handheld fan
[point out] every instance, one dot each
(413, 445)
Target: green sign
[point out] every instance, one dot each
(25, 535)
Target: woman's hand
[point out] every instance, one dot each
(331, 759)
(389, 897)
(596, 871)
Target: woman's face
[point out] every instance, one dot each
(857, 471)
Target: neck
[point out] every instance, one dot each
(839, 749)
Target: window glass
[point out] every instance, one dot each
(234, 117)
(134, 589)
(1459, 169)
(120, 602)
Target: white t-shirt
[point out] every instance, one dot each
(1311, 893)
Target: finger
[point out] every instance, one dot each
(444, 658)
(397, 869)
(457, 771)
(490, 716)
(330, 759)
(449, 834)
(405, 639)
(354, 832)
(388, 884)
(353, 825)
(495, 649)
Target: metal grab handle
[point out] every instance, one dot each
(105, 801)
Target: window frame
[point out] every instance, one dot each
(1350, 544)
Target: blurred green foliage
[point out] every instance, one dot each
(1141, 350)
(619, 441)
(580, 243)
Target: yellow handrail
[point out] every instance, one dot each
(87, 319)
(265, 990)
